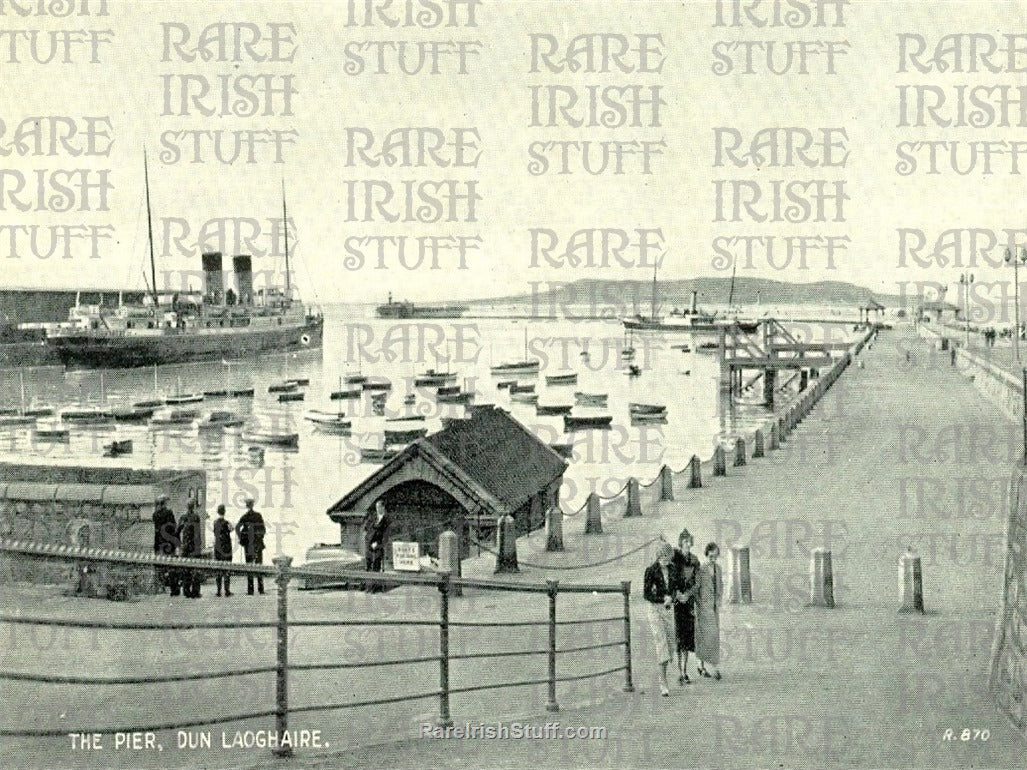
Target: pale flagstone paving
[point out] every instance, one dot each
(857, 686)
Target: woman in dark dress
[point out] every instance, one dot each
(686, 570)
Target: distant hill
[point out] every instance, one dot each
(711, 291)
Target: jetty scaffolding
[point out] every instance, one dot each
(766, 352)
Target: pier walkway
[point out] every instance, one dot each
(897, 454)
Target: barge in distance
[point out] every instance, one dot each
(404, 310)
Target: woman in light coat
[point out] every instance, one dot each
(709, 594)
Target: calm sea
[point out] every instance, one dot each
(293, 489)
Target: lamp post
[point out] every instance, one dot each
(966, 279)
(1011, 258)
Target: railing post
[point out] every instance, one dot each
(553, 587)
(445, 719)
(634, 507)
(282, 666)
(625, 588)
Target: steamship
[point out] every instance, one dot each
(212, 324)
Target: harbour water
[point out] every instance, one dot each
(293, 488)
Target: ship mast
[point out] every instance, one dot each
(149, 233)
(285, 224)
(731, 293)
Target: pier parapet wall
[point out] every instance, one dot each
(1008, 675)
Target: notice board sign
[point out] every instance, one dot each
(406, 557)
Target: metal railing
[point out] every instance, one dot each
(283, 573)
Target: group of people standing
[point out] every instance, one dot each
(185, 538)
(683, 598)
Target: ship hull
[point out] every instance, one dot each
(699, 328)
(109, 352)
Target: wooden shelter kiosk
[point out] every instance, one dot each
(465, 478)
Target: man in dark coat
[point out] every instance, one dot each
(190, 534)
(223, 548)
(250, 530)
(375, 536)
(165, 542)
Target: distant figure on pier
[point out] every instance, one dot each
(375, 537)
(190, 535)
(686, 571)
(251, 530)
(710, 590)
(165, 542)
(223, 549)
(658, 591)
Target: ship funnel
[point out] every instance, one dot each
(695, 302)
(213, 281)
(242, 265)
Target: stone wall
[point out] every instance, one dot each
(1008, 678)
(87, 506)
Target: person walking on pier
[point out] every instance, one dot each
(707, 606)
(686, 571)
(190, 535)
(375, 536)
(165, 542)
(658, 591)
(223, 549)
(250, 530)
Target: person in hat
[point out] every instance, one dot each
(708, 598)
(190, 535)
(658, 591)
(686, 572)
(250, 530)
(375, 536)
(223, 549)
(165, 542)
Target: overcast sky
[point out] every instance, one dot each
(494, 98)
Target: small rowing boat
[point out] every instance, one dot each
(525, 398)
(282, 387)
(284, 397)
(635, 408)
(581, 422)
(518, 388)
(271, 438)
(569, 378)
(548, 410)
(590, 399)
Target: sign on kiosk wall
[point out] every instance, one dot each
(406, 557)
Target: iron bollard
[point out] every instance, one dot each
(554, 529)
(757, 450)
(666, 483)
(593, 515)
(821, 578)
(695, 479)
(634, 503)
(553, 587)
(449, 557)
(506, 536)
(739, 452)
(445, 719)
(625, 588)
(739, 580)
(719, 461)
(282, 664)
(911, 583)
